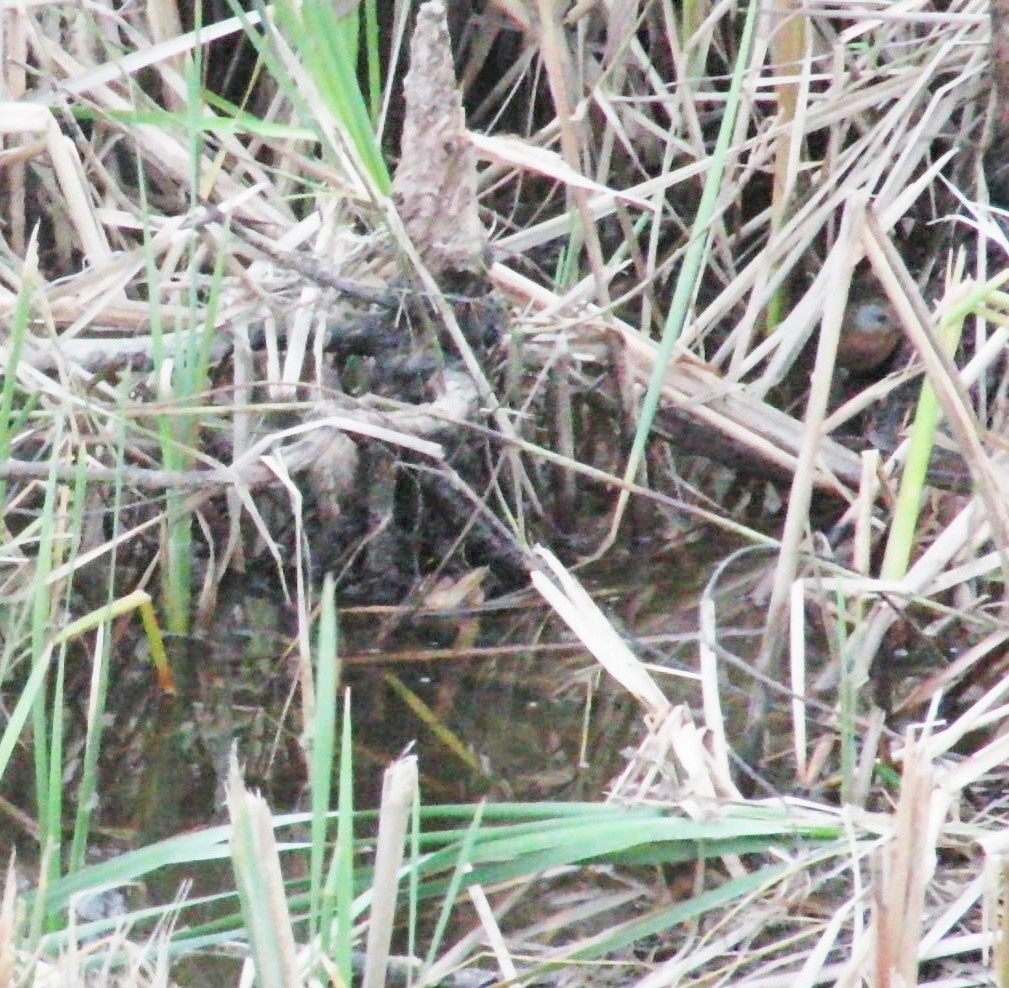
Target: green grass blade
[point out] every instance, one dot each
(323, 741)
(459, 874)
(344, 926)
(700, 234)
(8, 389)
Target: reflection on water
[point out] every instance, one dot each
(534, 716)
(528, 711)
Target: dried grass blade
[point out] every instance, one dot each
(580, 613)
(261, 885)
(399, 789)
(907, 864)
(797, 518)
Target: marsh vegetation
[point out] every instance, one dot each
(503, 492)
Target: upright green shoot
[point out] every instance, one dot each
(923, 433)
(87, 790)
(41, 629)
(690, 271)
(324, 37)
(323, 745)
(847, 704)
(343, 856)
(373, 55)
(15, 343)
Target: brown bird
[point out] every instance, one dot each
(869, 334)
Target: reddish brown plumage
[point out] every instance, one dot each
(869, 335)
